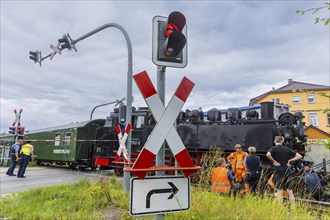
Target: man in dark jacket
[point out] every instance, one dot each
(14, 155)
(252, 164)
(281, 157)
(313, 184)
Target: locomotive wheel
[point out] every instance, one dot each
(72, 166)
(93, 167)
(81, 168)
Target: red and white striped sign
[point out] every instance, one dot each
(122, 139)
(164, 129)
(18, 117)
(55, 50)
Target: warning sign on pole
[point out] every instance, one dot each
(164, 129)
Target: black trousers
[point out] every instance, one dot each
(253, 179)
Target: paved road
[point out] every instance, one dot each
(44, 176)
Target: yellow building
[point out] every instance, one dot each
(302, 97)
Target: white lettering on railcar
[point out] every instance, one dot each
(61, 151)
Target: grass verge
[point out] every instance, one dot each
(82, 200)
(106, 200)
(207, 205)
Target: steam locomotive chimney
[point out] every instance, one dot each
(267, 110)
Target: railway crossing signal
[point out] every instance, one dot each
(18, 117)
(169, 40)
(36, 56)
(55, 50)
(164, 129)
(122, 140)
(17, 129)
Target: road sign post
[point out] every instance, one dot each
(159, 194)
(160, 158)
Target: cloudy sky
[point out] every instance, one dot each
(236, 50)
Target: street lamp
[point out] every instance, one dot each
(67, 42)
(109, 103)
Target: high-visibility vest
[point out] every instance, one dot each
(26, 149)
(271, 182)
(220, 181)
(237, 160)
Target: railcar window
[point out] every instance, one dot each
(67, 139)
(140, 121)
(57, 140)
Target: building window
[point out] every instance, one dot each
(67, 139)
(313, 119)
(296, 99)
(57, 140)
(311, 98)
(328, 114)
(276, 101)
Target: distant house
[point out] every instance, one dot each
(314, 134)
(301, 97)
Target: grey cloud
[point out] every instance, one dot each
(237, 50)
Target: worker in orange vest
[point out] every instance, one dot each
(222, 178)
(237, 160)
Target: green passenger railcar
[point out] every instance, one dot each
(67, 144)
(6, 141)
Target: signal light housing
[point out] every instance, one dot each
(20, 130)
(36, 56)
(170, 40)
(66, 42)
(13, 130)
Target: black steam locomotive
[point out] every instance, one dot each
(201, 131)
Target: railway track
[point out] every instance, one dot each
(315, 205)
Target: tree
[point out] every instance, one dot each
(314, 10)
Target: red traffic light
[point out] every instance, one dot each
(176, 40)
(20, 130)
(169, 40)
(175, 22)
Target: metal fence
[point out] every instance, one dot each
(4, 155)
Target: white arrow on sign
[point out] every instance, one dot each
(159, 194)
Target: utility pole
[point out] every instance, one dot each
(168, 50)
